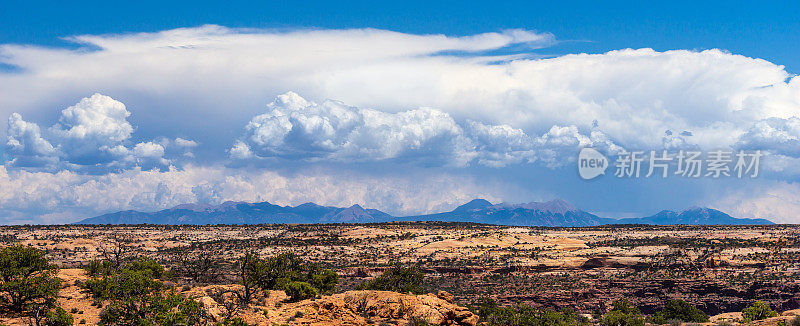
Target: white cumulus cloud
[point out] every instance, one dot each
(94, 133)
(97, 118)
(296, 128)
(776, 135)
(219, 73)
(424, 99)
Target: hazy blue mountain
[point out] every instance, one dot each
(694, 216)
(244, 213)
(552, 213)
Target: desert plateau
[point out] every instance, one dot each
(720, 270)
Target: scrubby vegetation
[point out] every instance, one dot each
(58, 317)
(715, 268)
(299, 291)
(397, 278)
(278, 272)
(623, 313)
(29, 285)
(135, 297)
(757, 311)
(524, 315)
(679, 311)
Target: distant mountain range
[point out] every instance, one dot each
(694, 216)
(554, 213)
(244, 213)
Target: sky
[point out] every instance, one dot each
(406, 107)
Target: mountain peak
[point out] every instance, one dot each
(695, 209)
(308, 205)
(561, 205)
(558, 206)
(230, 203)
(473, 205)
(196, 207)
(353, 214)
(697, 215)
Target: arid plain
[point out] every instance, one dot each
(719, 269)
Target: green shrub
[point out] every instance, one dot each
(232, 322)
(618, 318)
(274, 273)
(98, 268)
(29, 281)
(325, 281)
(681, 311)
(398, 279)
(193, 312)
(165, 309)
(484, 308)
(58, 317)
(299, 291)
(126, 284)
(523, 315)
(153, 266)
(625, 306)
(657, 318)
(135, 298)
(757, 311)
(623, 313)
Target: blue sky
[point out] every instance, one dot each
(765, 30)
(405, 107)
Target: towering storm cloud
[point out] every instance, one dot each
(210, 114)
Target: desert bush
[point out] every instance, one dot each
(117, 249)
(250, 270)
(229, 301)
(28, 281)
(618, 318)
(398, 279)
(484, 307)
(795, 321)
(127, 284)
(232, 322)
(193, 312)
(98, 268)
(58, 317)
(657, 319)
(136, 298)
(141, 264)
(757, 311)
(623, 313)
(281, 269)
(274, 273)
(325, 281)
(679, 310)
(299, 291)
(199, 263)
(166, 309)
(523, 315)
